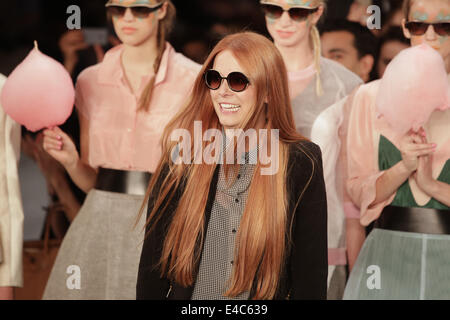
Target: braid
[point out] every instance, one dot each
(317, 53)
(146, 97)
(164, 28)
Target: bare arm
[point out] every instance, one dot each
(440, 191)
(57, 180)
(66, 197)
(355, 237)
(390, 181)
(412, 146)
(434, 188)
(59, 145)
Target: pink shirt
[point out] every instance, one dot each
(364, 131)
(299, 80)
(120, 137)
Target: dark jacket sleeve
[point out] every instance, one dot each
(309, 255)
(150, 285)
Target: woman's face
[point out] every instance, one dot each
(232, 107)
(431, 11)
(136, 30)
(287, 32)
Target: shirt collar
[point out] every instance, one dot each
(111, 72)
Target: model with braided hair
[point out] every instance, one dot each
(315, 82)
(124, 104)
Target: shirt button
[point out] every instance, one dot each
(238, 176)
(234, 231)
(232, 262)
(237, 200)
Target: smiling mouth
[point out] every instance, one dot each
(228, 108)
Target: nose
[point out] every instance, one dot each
(285, 19)
(430, 34)
(224, 90)
(128, 16)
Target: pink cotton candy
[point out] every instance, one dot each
(39, 93)
(413, 86)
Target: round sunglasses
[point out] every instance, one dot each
(140, 12)
(273, 11)
(237, 81)
(420, 28)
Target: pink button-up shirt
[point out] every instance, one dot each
(120, 137)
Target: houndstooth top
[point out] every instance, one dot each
(217, 259)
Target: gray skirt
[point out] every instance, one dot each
(394, 265)
(99, 256)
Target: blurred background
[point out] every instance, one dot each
(199, 25)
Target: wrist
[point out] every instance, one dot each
(73, 166)
(431, 187)
(404, 170)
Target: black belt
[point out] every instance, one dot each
(129, 182)
(419, 220)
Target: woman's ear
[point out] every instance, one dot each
(162, 11)
(318, 14)
(406, 32)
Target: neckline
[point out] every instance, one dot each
(302, 74)
(440, 177)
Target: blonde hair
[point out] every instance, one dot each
(263, 235)
(165, 25)
(317, 46)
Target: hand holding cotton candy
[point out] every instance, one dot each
(413, 86)
(39, 93)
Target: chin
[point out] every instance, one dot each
(228, 124)
(289, 42)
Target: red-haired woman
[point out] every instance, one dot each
(218, 230)
(124, 104)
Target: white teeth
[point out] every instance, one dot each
(230, 107)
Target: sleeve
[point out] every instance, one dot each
(309, 260)
(351, 211)
(150, 285)
(363, 171)
(325, 133)
(80, 103)
(11, 211)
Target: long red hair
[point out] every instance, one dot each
(262, 238)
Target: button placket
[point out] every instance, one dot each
(132, 130)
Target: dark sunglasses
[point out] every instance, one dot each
(420, 28)
(237, 81)
(297, 14)
(140, 12)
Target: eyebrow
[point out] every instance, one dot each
(337, 50)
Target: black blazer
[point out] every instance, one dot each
(305, 270)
